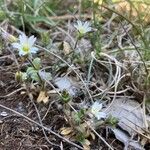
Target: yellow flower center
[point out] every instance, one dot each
(26, 48)
(82, 30)
(95, 111)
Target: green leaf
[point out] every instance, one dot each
(32, 73)
(112, 121)
(35, 77)
(80, 137)
(36, 19)
(79, 116)
(31, 70)
(65, 96)
(37, 63)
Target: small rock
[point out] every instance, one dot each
(3, 114)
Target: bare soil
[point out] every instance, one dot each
(17, 133)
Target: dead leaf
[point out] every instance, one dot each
(126, 140)
(23, 92)
(87, 142)
(66, 131)
(130, 115)
(125, 7)
(92, 135)
(42, 97)
(66, 48)
(86, 145)
(65, 83)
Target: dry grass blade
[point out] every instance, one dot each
(70, 67)
(12, 93)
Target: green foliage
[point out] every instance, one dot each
(79, 116)
(36, 19)
(25, 13)
(20, 76)
(80, 137)
(96, 36)
(2, 15)
(37, 63)
(45, 38)
(112, 121)
(33, 74)
(65, 96)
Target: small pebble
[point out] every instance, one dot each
(3, 114)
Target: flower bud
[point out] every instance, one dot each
(8, 37)
(20, 76)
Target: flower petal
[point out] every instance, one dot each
(22, 53)
(100, 115)
(79, 23)
(23, 38)
(34, 50)
(16, 45)
(97, 106)
(83, 27)
(86, 24)
(25, 45)
(31, 40)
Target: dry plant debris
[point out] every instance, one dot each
(77, 81)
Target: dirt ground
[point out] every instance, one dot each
(17, 133)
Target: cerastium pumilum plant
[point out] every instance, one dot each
(27, 51)
(82, 121)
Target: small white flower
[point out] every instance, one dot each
(83, 27)
(95, 110)
(25, 45)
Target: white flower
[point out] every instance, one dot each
(95, 110)
(25, 45)
(83, 27)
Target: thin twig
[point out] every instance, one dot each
(101, 138)
(68, 17)
(12, 93)
(70, 67)
(39, 117)
(131, 40)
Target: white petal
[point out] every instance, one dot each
(100, 115)
(21, 53)
(88, 29)
(16, 45)
(77, 26)
(34, 50)
(31, 40)
(98, 106)
(79, 23)
(86, 24)
(22, 38)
